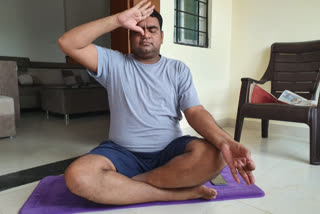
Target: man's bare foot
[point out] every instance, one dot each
(187, 193)
(205, 192)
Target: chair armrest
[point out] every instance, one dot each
(262, 81)
(245, 88)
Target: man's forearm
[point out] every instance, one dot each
(85, 34)
(202, 121)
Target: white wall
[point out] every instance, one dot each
(256, 24)
(209, 66)
(31, 29)
(78, 12)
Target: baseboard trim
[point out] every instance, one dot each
(277, 127)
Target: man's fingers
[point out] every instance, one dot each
(147, 13)
(235, 175)
(244, 175)
(251, 177)
(141, 3)
(138, 29)
(150, 11)
(144, 7)
(250, 166)
(239, 163)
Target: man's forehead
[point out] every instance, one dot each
(148, 22)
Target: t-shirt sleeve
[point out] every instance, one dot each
(187, 93)
(108, 60)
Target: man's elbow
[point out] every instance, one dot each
(63, 44)
(192, 112)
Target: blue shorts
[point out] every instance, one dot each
(134, 163)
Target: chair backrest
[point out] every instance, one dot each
(295, 67)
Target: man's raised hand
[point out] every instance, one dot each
(130, 18)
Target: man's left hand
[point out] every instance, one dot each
(239, 160)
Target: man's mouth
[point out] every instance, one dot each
(145, 43)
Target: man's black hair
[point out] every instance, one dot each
(158, 16)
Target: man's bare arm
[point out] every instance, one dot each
(77, 43)
(202, 121)
(237, 156)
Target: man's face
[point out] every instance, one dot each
(147, 46)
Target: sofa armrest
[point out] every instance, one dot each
(9, 83)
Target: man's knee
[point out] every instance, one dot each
(206, 155)
(74, 178)
(83, 172)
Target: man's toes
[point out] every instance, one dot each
(207, 193)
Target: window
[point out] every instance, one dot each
(191, 22)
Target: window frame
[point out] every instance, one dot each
(177, 33)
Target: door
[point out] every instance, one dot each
(153, 2)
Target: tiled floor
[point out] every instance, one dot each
(290, 183)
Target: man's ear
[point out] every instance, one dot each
(162, 35)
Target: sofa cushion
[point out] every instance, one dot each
(71, 78)
(75, 76)
(85, 76)
(46, 76)
(25, 79)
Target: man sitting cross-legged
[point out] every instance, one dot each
(146, 157)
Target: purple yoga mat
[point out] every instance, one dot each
(51, 196)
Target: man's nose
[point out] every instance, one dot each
(146, 33)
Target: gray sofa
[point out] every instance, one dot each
(9, 82)
(9, 98)
(58, 87)
(68, 100)
(7, 117)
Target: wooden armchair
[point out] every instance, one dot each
(295, 67)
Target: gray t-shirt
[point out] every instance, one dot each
(144, 99)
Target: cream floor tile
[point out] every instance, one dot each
(284, 173)
(282, 147)
(40, 141)
(264, 164)
(290, 188)
(13, 199)
(120, 211)
(221, 207)
(287, 199)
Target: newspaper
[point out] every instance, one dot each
(259, 95)
(294, 99)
